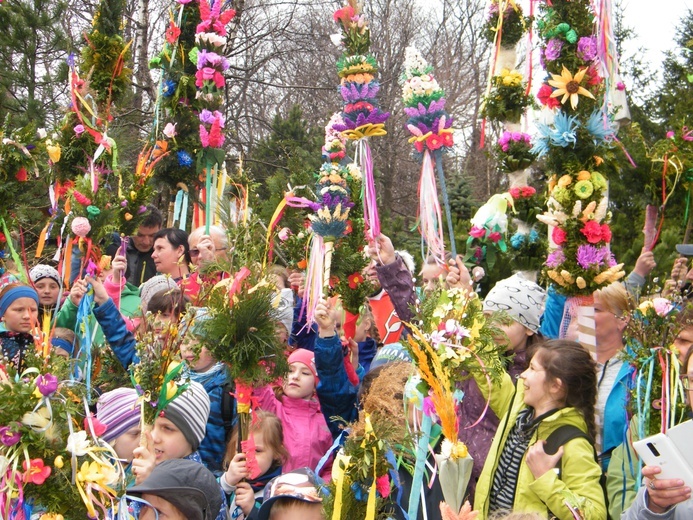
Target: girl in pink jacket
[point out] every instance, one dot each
(306, 435)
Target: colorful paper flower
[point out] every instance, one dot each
(592, 232)
(583, 189)
(569, 86)
(36, 472)
(47, 384)
(172, 33)
(355, 280)
(9, 436)
(559, 236)
(21, 174)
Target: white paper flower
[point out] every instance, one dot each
(41, 133)
(78, 444)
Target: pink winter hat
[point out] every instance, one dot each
(306, 357)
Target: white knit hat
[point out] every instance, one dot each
(41, 271)
(155, 284)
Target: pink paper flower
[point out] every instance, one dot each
(477, 232)
(495, 237)
(382, 485)
(662, 306)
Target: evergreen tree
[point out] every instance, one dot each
(33, 49)
(290, 154)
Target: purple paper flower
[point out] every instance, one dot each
(555, 258)
(587, 48)
(9, 437)
(213, 59)
(47, 384)
(208, 117)
(591, 256)
(553, 49)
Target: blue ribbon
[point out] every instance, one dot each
(421, 456)
(336, 444)
(84, 332)
(394, 477)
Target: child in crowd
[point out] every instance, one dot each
(179, 490)
(559, 388)
(306, 435)
(46, 281)
(176, 434)
(18, 313)
(292, 496)
(245, 490)
(213, 376)
(119, 411)
(367, 337)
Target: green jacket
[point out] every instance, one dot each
(622, 482)
(580, 472)
(129, 307)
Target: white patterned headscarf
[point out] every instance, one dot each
(521, 299)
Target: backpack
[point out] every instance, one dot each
(564, 434)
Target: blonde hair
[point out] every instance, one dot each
(614, 297)
(270, 426)
(285, 505)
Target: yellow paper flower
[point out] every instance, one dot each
(569, 87)
(510, 78)
(583, 175)
(53, 152)
(565, 181)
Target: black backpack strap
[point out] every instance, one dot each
(562, 435)
(228, 408)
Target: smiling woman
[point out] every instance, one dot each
(18, 313)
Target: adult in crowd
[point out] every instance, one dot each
(141, 266)
(171, 253)
(205, 250)
(664, 498)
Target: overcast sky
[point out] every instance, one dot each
(654, 22)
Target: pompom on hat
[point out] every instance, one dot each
(521, 299)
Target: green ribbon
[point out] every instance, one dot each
(13, 253)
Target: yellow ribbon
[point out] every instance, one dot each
(370, 507)
(369, 130)
(338, 472)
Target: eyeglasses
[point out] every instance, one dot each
(686, 381)
(196, 252)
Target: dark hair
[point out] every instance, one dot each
(571, 364)
(176, 237)
(152, 218)
(167, 300)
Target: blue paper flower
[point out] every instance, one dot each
(564, 130)
(517, 240)
(533, 236)
(600, 127)
(184, 159)
(168, 88)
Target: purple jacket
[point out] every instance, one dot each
(479, 438)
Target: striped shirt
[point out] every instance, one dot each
(505, 479)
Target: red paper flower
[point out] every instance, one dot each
(592, 76)
(593, 232)
(419, 145)
(434, 142)
(382, 485)
(544, 96)
(36, 472)
(62, 188)
(21, 174)
(344, 15)
(495, 237)
(3, 238)
(172, 33)
(514, 193)
(348, 229)
(477, 232)
(99, 427)
(448, 140)
(355, 280)
(528, 191)
(559, 236)
(606, 233)
(82, 199)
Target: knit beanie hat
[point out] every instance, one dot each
(155, 284)
(190, 412)
(41, 271)
(118, 411)
(306, 357)
(521, 299)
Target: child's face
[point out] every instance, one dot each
(21, 315)
(164, 508)
(125, 443)
(48, 290)
(300, 382)
(169, 441)
(263, 453)
(201, 363)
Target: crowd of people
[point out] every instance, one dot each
(192, 465)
